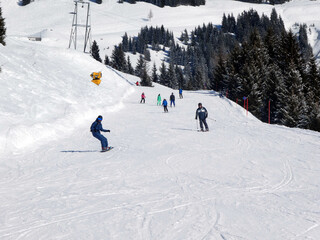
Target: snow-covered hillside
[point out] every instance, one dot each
(163, 180)
(110, 20)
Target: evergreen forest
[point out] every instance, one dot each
(273, 2)
(250, 56)
(171, 3)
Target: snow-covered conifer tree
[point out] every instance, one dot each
(95, 51)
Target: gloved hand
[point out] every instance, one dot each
(108, 131)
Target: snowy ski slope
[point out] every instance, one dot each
(163, 180)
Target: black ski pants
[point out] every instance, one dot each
(203, 122)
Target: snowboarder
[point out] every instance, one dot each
(180, 93)
(165, 105)
(95, 128)
(172, 99)
(202, 113)
(143, 98)
(159, 100)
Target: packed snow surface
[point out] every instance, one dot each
(243, 179)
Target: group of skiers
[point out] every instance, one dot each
(201, 113)
(164, 102)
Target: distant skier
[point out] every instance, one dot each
(202, 113)
(180, 93)
(95, 128)
(159, 100)
(165, 105)
(172, 100)
(143, 98)
(137, 83)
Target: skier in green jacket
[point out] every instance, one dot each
(159, 100)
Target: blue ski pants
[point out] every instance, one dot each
(103, 139)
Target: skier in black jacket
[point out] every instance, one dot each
(172, 100)
(202, 113)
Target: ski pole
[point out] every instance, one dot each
(197, 124)
(212, 119)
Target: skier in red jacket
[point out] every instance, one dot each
(143, 98)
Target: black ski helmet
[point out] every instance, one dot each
(100, 118)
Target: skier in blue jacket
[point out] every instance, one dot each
(180, 93)
(165, 105)
(202, 113)
(95, 128)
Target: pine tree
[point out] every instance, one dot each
(147, 55)
(272, 43)
(290, 52)
(141, 65)
(106, 60)
(234, 83)
(276, 23)
(224, 24)
(145, 78)
(163, 75)
(118, 59)
(141, 71)
(306, 49)
(251, 89)
(312, 83)
(277, 93)
(2, 29)
(95, 51)
(180, 77)
(296, 107)
(184, 38)
(150, 15)
(312, 93)
(130, 68)
(188, 77)
(198, 77)
(258, 60)
(220, 74)
(171, 76)
(154, 77)
(125, 42)
(134, 48)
